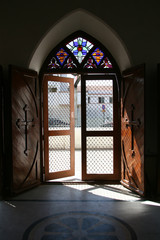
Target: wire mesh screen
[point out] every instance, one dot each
(59, 153)
(99, 105)
(58, 105)
(99, 155)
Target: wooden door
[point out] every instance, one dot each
(1, 131)
(158, 128)
(132, 129)
(58, 127)
(100, 128)
(25, 129)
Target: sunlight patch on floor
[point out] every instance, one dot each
(115, 192)
(113, 195)
(151, 203)
(80, 187)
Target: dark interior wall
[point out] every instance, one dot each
(24, 23)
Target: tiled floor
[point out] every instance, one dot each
(79, 212)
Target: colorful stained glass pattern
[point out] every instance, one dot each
(98, 55)
(79, 47)
(106, 63)
(90, 63)
(70, 64)
(53, 64)
(62, 55)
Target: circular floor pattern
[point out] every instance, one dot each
(79, 226)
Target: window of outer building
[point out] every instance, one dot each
(110, 99)
(100, 99)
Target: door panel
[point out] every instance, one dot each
(25, 129)
(58, 127)
(100, 128)
(100, 155)
(1, 131)
(132, 129)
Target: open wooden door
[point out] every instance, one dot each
(58, 127)
(100, 128)
(132, 129)
(1, 131)
(25, 129)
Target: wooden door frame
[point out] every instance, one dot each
(115, 133)
(112, 76)
(48, 133)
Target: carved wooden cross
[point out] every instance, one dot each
(133, 123)
(25, 123)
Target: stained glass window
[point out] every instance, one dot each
(79, 47)
(106, 63)
(62, 55)
(90, 63)
(70, 63)
(53, 64)
(98, 55)
(87, 54)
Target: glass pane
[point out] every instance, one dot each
(53, 64)
(90, 63)
(106, 63)
(70, 64)
(98, 55)
(79, 47)
(58, 105)
(99, 107)
(99, 155)
(59, 153)
(62, 55)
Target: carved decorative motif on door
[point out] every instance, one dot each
(20, 123)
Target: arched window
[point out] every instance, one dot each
(81, 53)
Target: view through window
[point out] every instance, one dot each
(99, 112)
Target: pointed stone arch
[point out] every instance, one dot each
(85, 21)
